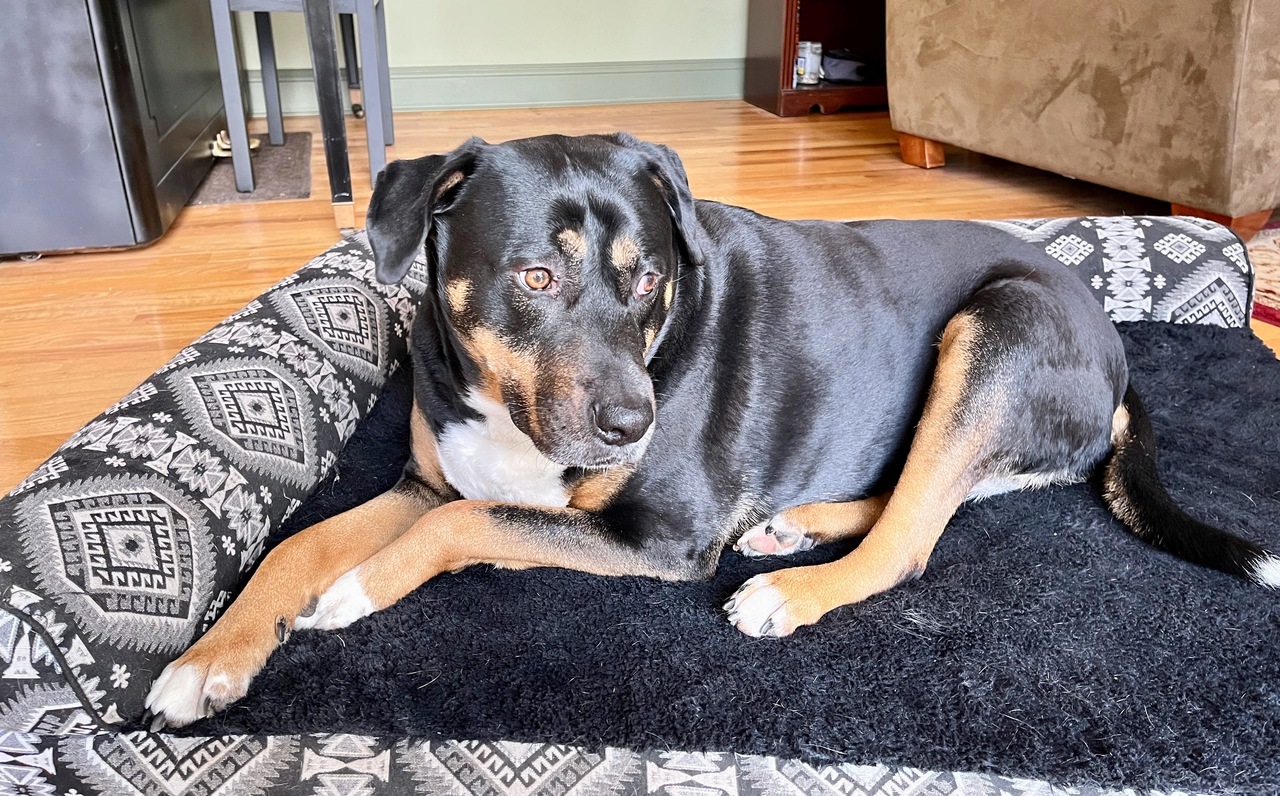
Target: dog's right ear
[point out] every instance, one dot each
(407, 198)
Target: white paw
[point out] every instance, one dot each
(342, 603)
(758, 608)
(774, 537)
(187, 692)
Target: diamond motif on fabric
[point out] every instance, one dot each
(342, 317)
(256, 412)
(1069, 249)
(129, 558)
(126, 551)
(1180, 248)
(255, 409)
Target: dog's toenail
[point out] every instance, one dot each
(206, 707)
(732, 604)
(158, 724)
(310, 607)
(282, 629)
(766, 627)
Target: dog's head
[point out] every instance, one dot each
(553, 264)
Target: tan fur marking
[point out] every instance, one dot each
(624, 252)
(826, 522)
(597, 488)
(458, 290)
(650, 334)
(1119, 425)
(668, 293)
(298, 569)
(462, 533)
(426, 456)
(572, 244)
(449, 183)
(503, 365)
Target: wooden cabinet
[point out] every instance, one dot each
(775, 27)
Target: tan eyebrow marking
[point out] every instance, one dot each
(572, 244)
(668, 293)
(625, 253)
(458, 290)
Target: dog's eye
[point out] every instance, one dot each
(537, 278)
(648, 283)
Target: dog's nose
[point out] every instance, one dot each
(618, 424)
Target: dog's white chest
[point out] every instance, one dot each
(491, 459)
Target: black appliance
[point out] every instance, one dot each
(107, 112)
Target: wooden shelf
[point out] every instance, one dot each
(774, 30)
(831, 97)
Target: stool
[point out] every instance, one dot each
(373, 78)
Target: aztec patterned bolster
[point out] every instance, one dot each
(130, 540)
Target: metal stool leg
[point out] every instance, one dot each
(371, 87)
(384, 75)
(346, 23)
(324, 63)
(348, 27)
(270, 78)
(225, 42)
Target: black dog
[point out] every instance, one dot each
(614, 378)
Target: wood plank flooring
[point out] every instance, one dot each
(78, 331)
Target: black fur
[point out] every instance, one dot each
(1136, 496)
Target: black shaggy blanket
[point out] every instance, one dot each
(1043, 640)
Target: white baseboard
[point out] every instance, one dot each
(529, 85)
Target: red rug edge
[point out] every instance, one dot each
(1266, 314)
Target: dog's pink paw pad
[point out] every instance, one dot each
(776, 537)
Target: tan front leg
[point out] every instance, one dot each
(467, 532)
(217, 669)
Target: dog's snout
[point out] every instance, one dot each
(622, 423)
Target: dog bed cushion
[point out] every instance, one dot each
(132, 538)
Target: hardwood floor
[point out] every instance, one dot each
(78, 331)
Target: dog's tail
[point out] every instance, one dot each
(1136, 496)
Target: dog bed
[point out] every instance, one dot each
(131, 539)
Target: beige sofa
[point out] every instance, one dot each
(1178, 100)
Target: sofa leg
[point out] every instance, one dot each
(922, 152)
(1244, 226)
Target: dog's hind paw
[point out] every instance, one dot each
(342, 603)
(759, 609)
(775, 537)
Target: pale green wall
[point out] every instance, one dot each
(425, 33)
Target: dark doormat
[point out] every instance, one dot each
(1043, 640)
(279, 172)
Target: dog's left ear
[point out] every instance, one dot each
(667, 172)
(407, 198)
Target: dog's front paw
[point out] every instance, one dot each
(192, 688)
(342, 603)
(775, 537)
(772, 604)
